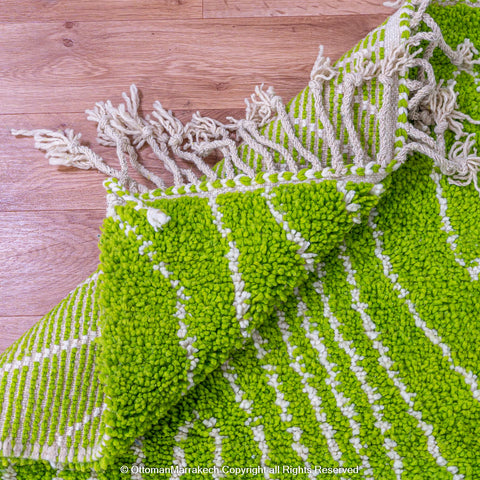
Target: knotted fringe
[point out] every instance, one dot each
(433, 105)
(432, 110)
(122, 127)
(64, 148)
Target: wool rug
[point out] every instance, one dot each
(307, 308)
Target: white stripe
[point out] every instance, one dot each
(469, 378)
(179, 460)
(233, 255)
(137, 449)
(93, 437)
(96, 452)
(86, 375)
(446, 226)
(315, 400)
(5, 370)
(54, 452)
(94, 390)
(340, 399)
(61, 441)
(246, 405)
(361, 375)
(292, 235)
(274, 382)
(17, 446)
(32, 448)
(386, 362)
(187, 343)
(66, 345)
(50, 454)
(217, 439)
(9, 473)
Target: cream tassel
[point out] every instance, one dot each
(64, 148)
(206, 135)
(395, 4)
(174, 131)
(261, 109)
(114, 125)
(463, 155)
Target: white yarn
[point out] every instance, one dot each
(431, 104)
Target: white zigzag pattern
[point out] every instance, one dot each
(386, 362)
(446, 226)
(178, 452)
(340, 399)
(233, 255)
(214, 433)
(246, 406)
(361, 375)
(274, 382)
(469, 378)
(137, 449)
(315, 400)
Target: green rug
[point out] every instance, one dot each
(308, 308)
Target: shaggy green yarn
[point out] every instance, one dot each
(143, 364)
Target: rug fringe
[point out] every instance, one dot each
(432, 110)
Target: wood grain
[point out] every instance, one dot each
(59, 57)
(197, 64)
(289, 8)
(71, 11)
(44, 256)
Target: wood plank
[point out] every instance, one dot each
(30, 183)
(36, 293)
(44, 256)
(273, 8)
(71, 11)
(12, 328)
(192, 64)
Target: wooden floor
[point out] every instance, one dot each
(59, 57)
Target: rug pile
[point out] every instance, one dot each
(309, 307)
